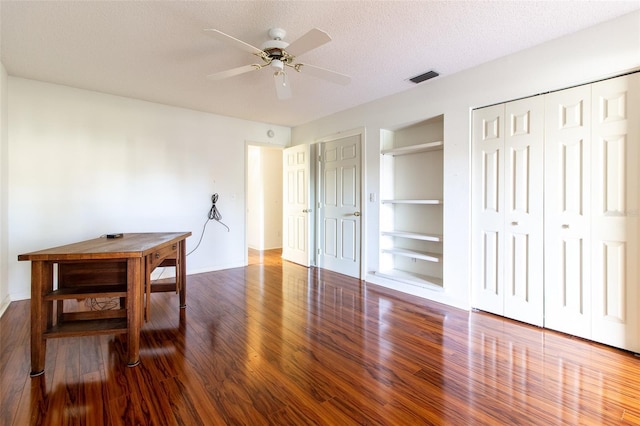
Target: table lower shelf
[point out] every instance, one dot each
(87, 327)
(87, 292)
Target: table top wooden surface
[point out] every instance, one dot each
(130, 245)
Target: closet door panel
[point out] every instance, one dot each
(488, 201)
(615, 211)
(523, 248)
(567, 152)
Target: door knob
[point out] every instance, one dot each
(306, 211)
(356, 214)
(514, 223)
(565, 226)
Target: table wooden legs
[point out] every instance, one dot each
(41, 313)
(135, 296)
(181, 272)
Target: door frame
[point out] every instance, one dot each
(317, 185)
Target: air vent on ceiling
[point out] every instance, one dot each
(422, 77)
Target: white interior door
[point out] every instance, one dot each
(508, 203)
(524, 210)
(488, 203)
(567, 211)
(340, 206)
(615, 212)
(297, 208)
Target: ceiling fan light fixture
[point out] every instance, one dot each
(283, 88)
(284, 77)
(278, 65)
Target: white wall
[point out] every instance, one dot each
(272, 190)
(598, 52)
(4, 189)
(84, 164)
(264, 197)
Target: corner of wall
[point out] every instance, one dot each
(4, 164)
(4, 304)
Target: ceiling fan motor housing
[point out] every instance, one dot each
(275, 48)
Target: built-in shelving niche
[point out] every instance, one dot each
(411, 222)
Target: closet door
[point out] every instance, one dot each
(488, 203)
(615, 207)
(508, 201)
(523, 209)
(567, 284)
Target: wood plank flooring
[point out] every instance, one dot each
(276, 343)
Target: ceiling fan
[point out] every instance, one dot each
(280, 55)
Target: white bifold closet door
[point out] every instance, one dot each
(615, 212)
(568, 211)
(508, 200)
(592, 233)
(556, 221)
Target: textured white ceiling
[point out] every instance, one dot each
(157, 50)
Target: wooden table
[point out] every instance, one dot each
(102, 267)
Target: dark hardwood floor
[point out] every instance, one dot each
(276, 343)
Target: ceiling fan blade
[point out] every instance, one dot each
(226, 38)
(314, 38)
(233, 71)
(283, 86)
(325, 74)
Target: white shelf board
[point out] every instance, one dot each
(423, 255)
(414, 235)
(414, 149)
(412, 278)
(414, 201)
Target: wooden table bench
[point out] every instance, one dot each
(99, 268)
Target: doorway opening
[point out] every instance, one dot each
(264, 201)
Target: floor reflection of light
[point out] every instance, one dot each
(154, 352)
